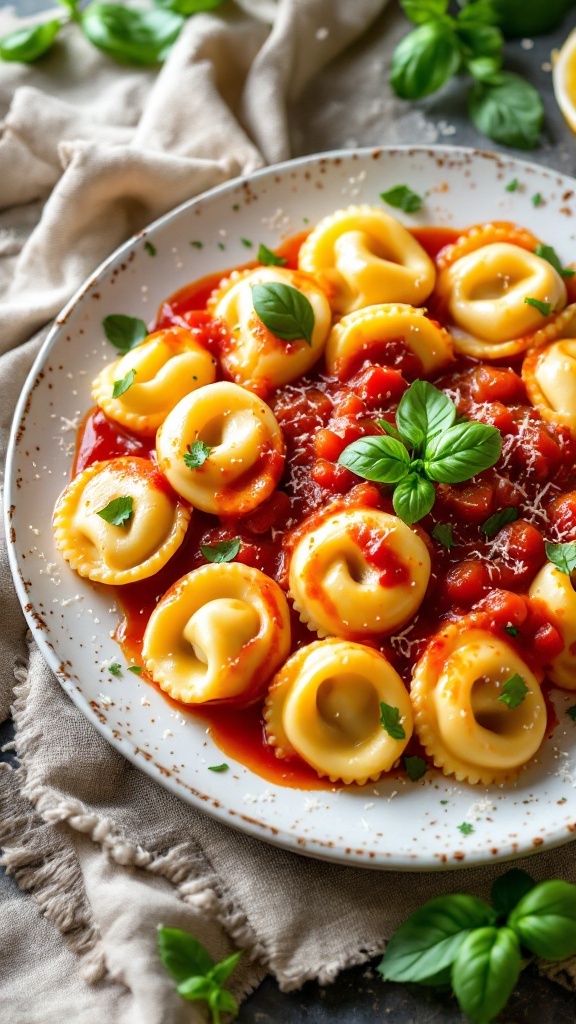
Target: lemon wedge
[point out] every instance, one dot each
(564, 79)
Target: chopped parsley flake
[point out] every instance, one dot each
(415, 767)
(115, 669)
(513, 691)
(118, 511)
(224, 551)
(196, 455)
(513, 185)
(390, 721)
(150, 249)
(465, 828)
(218, 767)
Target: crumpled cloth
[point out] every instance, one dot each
(101, 854)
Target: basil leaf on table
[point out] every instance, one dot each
(507, 109)
(545, 920)
(482, 12)
(224, 968)
(479, 41)
(423, 412)
(413, 498)
(188, 7)
(461, 452)
(124, 332)
(420, 11)
(183, 956)
(131, 36)
(485, 972)
(424, 60)
(429, 940)
(28, 44)
(284, 310)
(509, 889)
(382, 459)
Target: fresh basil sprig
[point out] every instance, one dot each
(197, 975)
(28, 44)
(430, 448)
(284, 310)
(501, 105)
(477, 948)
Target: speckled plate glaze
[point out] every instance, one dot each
(395, 823)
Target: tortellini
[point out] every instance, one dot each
(550, 378)
(458, 716)
(362, 256)
(358, 573)
(556, 590)
(163, 369)
(151, 522)
(244, 443)
(254, 356)
(485, 293)
(218, 634)
(324, 705)
(366, 329)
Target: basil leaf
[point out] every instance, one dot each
(196, 454)
(424, 60)
(483, 69)
(507, 109)
(218, 767)
(124, 332)
(224, 968)
(563, 556)
(572, 712)
(537, 199)
(482, 12)
(462, 451)
(514, 691)
(494, 523)
(509, 889)
(380, 458)
(121, 386)
(188, 7)
(28, 44)
(420, 11)
(136, 669)
(284, 310)
(390, 721)
(430, 939)
(545, 920)
(222, 1000)
(513, 185)
(413, 498)
(511, 630)
(485, 972)
(130, 36)
(389, 428)
(415, 767)
(182, 954)
(442, 532)
(197, 987)
(402, 198)
(224, 551)
(480, 41)
(423, 411)
(269, 258)
(543, 307)
(118, 511)
(115, 669)
(546, 252)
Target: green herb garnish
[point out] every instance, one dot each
(513, 691)
(415, 767)
(442, 532)
(511, 630)
(218, 767)
(269, 258)
(124, 332)
(197, 975)
(543, 307)
(121, 386)
(196, 454)
(150, 249)
(403, 198)
(563, 556)
(390, 721)
(118, 511)
(513, 185)
(115, 669)
(136, 669)
(465, 828)
(572, 712)
(537, 199)
(546, 252)
(224, 551)
(284, 310)
(494, 523)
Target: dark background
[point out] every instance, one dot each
(359, 996)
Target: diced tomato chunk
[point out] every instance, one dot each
(378, 385)
(505, 608)
(272, 513)
(520, 554)
(492, 384)
(332, 476)
(472, 502)
(562, 513)
(466, 583)
(547, 643)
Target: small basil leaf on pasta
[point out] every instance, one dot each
(269, 258)
(131, 36)
(118, 511)
(494, 523)
(563, 556)
(511, 630)
(124, 332)
(429, 940)
(462, 451)
(546, 252)
(224, 551)
(423, 412)
(413, 498)
(442, 532)
(415, 767)
(121, 386)
(381, 458)
(424, 60)
(510, 888)
(390, 721)
(284, 310)
(507, 109)
(403, 198)
(514, 691)
(545, 920)
(28, 44)
(196, 454)
(485, 972)
(420, 11)
(543, 307)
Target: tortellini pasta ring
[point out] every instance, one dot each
(166, 366)
(218, 634)
(485, 234)
(458, 717)
(362, 256)
(254, 356)
(556, 590)
(550, 378)
(366, 329)
(486, 292)
(136, 548)
(358, 573)
(324, 705)
(245, 449)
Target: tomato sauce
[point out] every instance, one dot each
(485, 578)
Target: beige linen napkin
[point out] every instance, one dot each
(90, 153)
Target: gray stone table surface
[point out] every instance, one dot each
(359, 996)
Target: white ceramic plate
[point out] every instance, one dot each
(396, 823)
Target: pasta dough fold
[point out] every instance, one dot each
(556, 590)
(550, 378)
